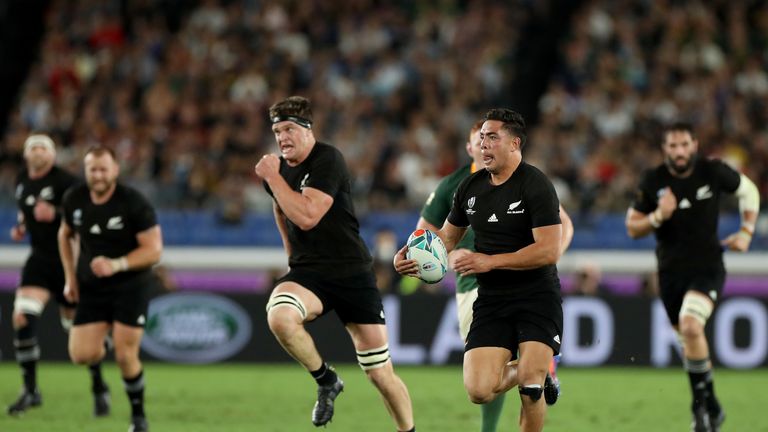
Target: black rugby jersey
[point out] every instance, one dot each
(502, 217)
(688, 240)
(50, 188)
(334, 244)
(107, 229)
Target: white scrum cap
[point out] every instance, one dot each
(39, 140)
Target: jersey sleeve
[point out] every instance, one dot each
(66, 206)
(457, 216)
(542, 201)
(645, 200)
(727, 177)
(143, 216)
(438, 205)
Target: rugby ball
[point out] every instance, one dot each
(428, 250)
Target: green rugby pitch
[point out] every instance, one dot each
(279, 398)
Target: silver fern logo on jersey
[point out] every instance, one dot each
(470, 204)
(513, 206)
(77, 217)
(303, 183)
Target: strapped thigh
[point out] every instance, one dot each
(697, 306)
(287, 299)
(373, 358)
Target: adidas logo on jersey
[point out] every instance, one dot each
(95, 229)
(684, 204)
(493, 218)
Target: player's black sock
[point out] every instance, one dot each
(713, 405)
(28, 352)
(97, 380)
(698, 373)
(413, 429)
(134, 387)
(324, 376)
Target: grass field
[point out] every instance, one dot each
(279, 398)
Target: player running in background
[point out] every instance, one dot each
(679, 201)
(515, 214)
(433, 215)
(330, 266)
(119, 241)
(39, 191)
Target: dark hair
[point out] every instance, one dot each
(295, 106)
(678, 126)
(513, 121)
(100, 150)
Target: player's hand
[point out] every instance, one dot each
(101, 266)
(456, 254)
(71, 292)
(738, 242)
(44, 211)
(406, 267)
(667, 203)
(268, 166)
(18, 232)
(472, 263)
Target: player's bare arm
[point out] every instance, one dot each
(749, 206)
(146, 255)
(281, 228)
(304, 209)
(640, 224)
(565, 239)
(66, 235)
(19, 230)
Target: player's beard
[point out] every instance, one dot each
(680, 169)
(101, 187)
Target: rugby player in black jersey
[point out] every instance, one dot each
(679, 201)
(39, 191)
(514, 212)
(330, 266)
(119, 241)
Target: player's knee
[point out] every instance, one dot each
(532, 392)
(82, 356)
(531, 374)
(125, 358)
(478, 393)
(690, 327)
(24, 307)
(285, 312)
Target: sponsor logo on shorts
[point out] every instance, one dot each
(557, 338)
(195, 328)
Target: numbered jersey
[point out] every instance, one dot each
(107, 229)
(49, 188)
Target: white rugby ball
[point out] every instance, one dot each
(428, 250)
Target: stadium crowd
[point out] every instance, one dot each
(395, 85)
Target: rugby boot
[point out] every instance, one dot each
(551, 383)
(138, 424)
(701, 421)
(322, 413)
(25, 401)
(102, 403)
(716, 419)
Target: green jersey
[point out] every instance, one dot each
(436, 209)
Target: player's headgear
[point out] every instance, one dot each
(514, 123)
(39, 140)
(295, 109)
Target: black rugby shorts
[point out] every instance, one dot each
(356, 299)
(506, 322)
